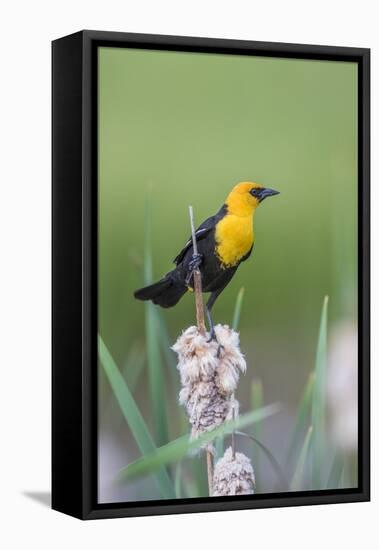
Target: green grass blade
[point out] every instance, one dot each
(133, 416)
(353, 468)
(191, 488)
(335, 474)
(237, 309)
(131, 372)
(219, 447)
(156, 375)
(199, 474)
(343, 484)
(154, 360)
(302, 419)
(348, 473)
(257, 403)
(319, 401)
(178, 480)
(166, 343)
(133, 367)
(169, 356)
(296, 483)
(180, 420)
(177, 449)
(274, 463)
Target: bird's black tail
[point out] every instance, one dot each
(165, 293)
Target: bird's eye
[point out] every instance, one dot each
(255, 192)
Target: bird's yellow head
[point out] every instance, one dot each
(246, 196)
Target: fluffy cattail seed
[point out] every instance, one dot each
(209, 377)
(233, 476)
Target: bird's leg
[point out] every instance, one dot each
(194, 264)
(208, 308)
(212, 334)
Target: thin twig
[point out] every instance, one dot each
(197, 281)
(201, 327)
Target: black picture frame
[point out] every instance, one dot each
(74, 273)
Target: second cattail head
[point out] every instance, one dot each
(233, 475)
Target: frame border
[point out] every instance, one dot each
(74, 332)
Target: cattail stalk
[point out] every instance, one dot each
(197, 280)
(200, 321)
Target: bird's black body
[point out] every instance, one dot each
(214, 276)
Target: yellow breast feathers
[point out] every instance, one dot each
(234, 239)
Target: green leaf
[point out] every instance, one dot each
(154, 360)
(191, 489)
(133, 416)
(237, 309)
(297, 479)
(166, 343)
(177, 449)
(199, 475)
(274, 463)
(219, 446)
(131, 372)
(178, 480)
(257, 403)
(156, 374)
(335, 474)
(133, 366)
(319, 401)
(349, 472)
(302, 419)
(180, 419)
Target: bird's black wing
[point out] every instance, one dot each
(201, 232)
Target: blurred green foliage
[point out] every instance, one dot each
(181, 128)
(188, 127)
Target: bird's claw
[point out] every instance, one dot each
(195, 262)
(219, 348)
(193, 265)
(212, 336)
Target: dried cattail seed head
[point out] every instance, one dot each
(209, 378)
(233, 475)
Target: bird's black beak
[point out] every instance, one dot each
(266, 192)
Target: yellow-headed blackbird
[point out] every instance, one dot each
(224, 241)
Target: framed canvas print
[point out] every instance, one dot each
(210, 275)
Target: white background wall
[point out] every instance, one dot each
(26, 31)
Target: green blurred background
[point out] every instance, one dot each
(181, 128)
